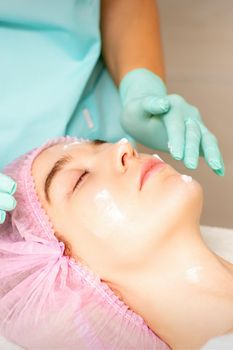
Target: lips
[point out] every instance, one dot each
(149, 167)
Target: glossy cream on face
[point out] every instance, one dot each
(69, 145)
(186, 178)
(155, 155)
(193, 274)
(123, 141)
(111, 214)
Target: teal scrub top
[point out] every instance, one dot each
(53, 78)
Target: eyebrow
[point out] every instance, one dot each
(59, 165)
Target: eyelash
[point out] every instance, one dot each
(80, 179)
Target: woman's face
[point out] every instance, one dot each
(112, 222)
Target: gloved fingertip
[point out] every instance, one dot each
(177, 156)
(8, 202)
(156, 105)
(2, 216)
(164, 104)
(215, 164)
(191, 161)
(7, 184)
(220, 172)
(191, 166)
(13, 188)
(14, 203)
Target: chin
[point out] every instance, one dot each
(186, 198)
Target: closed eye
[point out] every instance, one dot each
(80, 179)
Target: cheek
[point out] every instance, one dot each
(108, 213)
(110, 227)
(102, 213)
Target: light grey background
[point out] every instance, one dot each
(198, 50)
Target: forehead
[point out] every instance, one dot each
(51, 154)
(47, 157)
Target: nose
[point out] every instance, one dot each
(124, 153)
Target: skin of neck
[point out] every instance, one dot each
(184, 293)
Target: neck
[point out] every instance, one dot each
(186, 289)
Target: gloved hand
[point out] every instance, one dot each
(7, 201)
(166, 122)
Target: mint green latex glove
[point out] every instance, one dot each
(166, 122)
(7, 201)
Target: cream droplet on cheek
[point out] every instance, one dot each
(186, 178)
(110, 212)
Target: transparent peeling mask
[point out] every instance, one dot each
(111, 214)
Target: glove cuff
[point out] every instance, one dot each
(132, 83)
